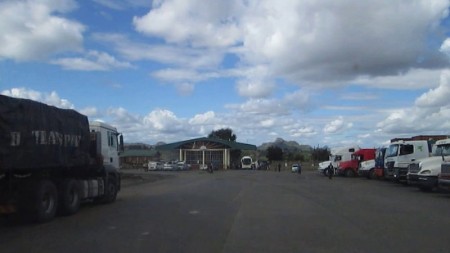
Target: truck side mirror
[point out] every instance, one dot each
(121, 143)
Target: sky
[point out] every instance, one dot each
(322, 73)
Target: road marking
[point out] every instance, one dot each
(194, 212)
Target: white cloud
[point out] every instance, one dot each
(267, 123)
(92, 61)
(122, 4)
(163, 121)
(199, 23)
(430, 113)
(35, 29)
(90, 112)
(167, 54)
(306, 131)
(259, 106)
(337, 125)
(51, 98)
(439, 96)
(310, 43)
(206, 118)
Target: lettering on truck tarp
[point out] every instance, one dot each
(48, 138)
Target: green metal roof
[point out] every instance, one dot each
(216, 142)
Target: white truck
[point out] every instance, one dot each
(424, 172)
(53, 159)
(367, 169)
(401, 154)
(337, 155)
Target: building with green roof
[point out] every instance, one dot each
(200, 152)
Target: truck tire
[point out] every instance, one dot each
(349, 173)
(44, 201)
(372, 174)
(70, 198)
(110, 191)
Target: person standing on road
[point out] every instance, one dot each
(330, 171)
(279, 167)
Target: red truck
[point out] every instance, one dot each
(350, 168)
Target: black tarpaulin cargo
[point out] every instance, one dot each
(35, 136)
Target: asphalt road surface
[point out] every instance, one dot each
(247, 211)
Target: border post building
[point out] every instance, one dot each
(202, 151)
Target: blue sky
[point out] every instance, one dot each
(317, 72)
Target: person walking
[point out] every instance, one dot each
(279, 167)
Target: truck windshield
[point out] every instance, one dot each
(442, 150)
(246, 161)
(392, 151)
(380, 154)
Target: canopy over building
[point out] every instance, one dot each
(203, 151)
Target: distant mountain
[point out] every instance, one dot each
(137, 146)
(286, 146)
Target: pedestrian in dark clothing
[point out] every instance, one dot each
(279, 167)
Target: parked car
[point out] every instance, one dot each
(170, 166)
(182, 165)
(296, 167)
(155, 166)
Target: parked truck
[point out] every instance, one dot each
(444, 177)
(379, 162)
(424, 172)
(367, 169)
(401, 154)
(52, 159)
(337, 156)
(350, 168)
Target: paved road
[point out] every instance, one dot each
(247, 211)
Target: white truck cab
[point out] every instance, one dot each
(109, 145)
(424, 172)
(366, 169)
(401, 154)
(338, 155)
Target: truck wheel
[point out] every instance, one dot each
(349, 173)
(44, 201)
(372, 174)
(70, 197)
(110, 191)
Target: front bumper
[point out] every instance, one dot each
(364, 173)
(427, 181)
(444, 184)
(400, 174)
(413, 179)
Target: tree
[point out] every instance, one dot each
(223, 134)
(274, 153)
(227, 135)
(321, 154)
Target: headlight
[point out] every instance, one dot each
(425, 172)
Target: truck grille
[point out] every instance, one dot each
(414, 168)
(390, 166)
(445, 168)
